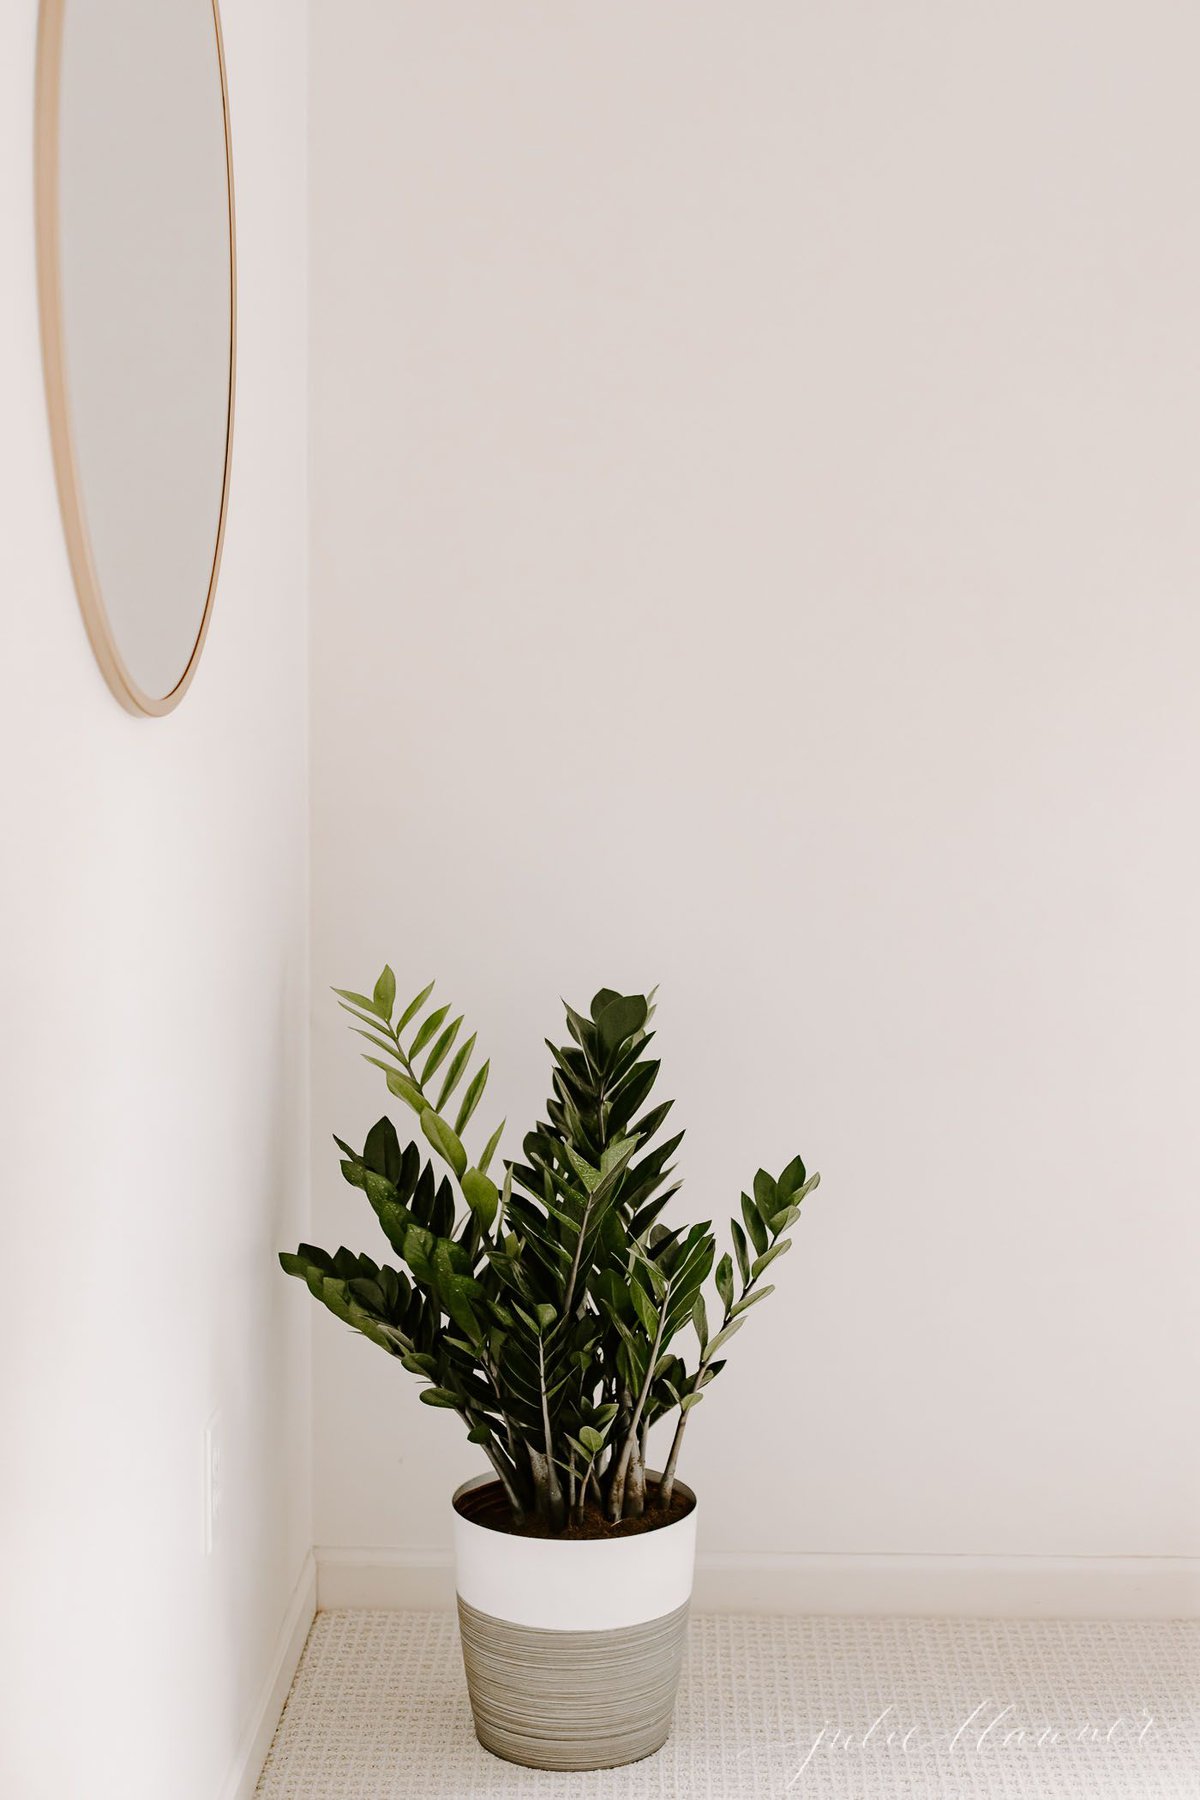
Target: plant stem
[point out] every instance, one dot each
(616, 1490)
(666, 1487)
(554, 1494)
(515, 1504)
(635, 1485)
(500, 1464)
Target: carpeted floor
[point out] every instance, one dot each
(819, 1709)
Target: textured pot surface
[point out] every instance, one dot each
(572, 1648)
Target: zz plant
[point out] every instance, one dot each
(545, 1311)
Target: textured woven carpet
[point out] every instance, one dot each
(817, 1709)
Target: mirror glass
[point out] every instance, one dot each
(135, 223)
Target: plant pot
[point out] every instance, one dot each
(572, 1647)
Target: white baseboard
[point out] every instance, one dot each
(243, 1777)
(386, 1580)
(983, 1587)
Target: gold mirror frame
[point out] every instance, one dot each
(79, 551)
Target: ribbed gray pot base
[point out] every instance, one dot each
(572, 1699)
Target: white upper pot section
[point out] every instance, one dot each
(562, 1584)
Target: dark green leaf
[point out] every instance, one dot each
(741, 1249)
(766, 1195)
(620, 1019)
(381, 1152)
(754, 1225)
(723, 1275)
(792, 1178)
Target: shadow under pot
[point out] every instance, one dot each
(572, 1646)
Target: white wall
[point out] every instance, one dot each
(154, 1065)
(754, 551)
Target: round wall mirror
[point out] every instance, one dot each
(137, 287)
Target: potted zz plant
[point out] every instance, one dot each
(547, 1311)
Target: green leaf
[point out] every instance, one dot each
(363, 1018)
(768, 1257)
(700, 1321)
(723, 1276)
(791, 1179)
(413, 1008)
(472, 1098)
(690, 1400)
(436, 1396)
(620, 1019)
(754, 1225)
(380, 1044)
(489, 1149)
(791, 1213)
(546, 1316)
(385, 993)
(766, 1195)
(616, 1153)
(361, 1000)
(482, 1196)
(458, 1063)
(743, 1253)
(644, 1307)
(438, 1054)
(381, 1152)
(592, 1440)
(604, 998)
(658, 1280)
(590, 1177)
(479, 1434)
(405, 1090)
(426, 1030)
(444, 1141)
(750, 1300)
(723, 1337)
(456, 1290)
